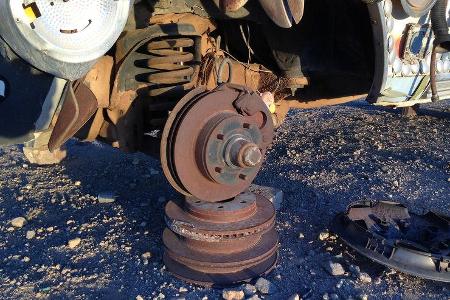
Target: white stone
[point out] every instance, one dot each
(74, 243)
(18, 222)
(334, 269)
(230, 294)
(30, 234)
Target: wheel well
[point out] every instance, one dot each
(334, 42)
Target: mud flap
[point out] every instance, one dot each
(79, 106)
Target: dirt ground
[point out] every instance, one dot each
(322, 159)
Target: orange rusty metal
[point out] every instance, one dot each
(219, 122)
(99, 80)
(216, 244)
(322, 102)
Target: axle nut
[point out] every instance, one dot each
(251, 155)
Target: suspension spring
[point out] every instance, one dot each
(171, 66)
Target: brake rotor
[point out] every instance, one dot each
(223, 220)
(221, 243)
(219, 280)
(214, 142)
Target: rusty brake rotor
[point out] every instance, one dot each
(214, 142)
(216, 244)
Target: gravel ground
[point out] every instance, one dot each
(74, 247)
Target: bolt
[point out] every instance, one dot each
(252, 156)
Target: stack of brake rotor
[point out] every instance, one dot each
(218, 244)
(212, 148)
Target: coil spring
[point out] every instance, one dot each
(171, 66)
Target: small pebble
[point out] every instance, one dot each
(363, 297)
(30, 234)
(334, 269)
(145, 257)
(18, 222)
(301, 235)
(265, 287)
(77, 183)
(231, 294)
(364, 278)
(139, 297)
(74, 243)
(324, 235)
(183, 290)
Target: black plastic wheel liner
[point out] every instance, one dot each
(387, 233)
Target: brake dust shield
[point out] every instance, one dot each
(388, 234)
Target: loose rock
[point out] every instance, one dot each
(334, 269)
(364, 278)
(30, 234)
(324, 235)
(230, 294)
(265, 287)
(18, 222)
(248, 289)
(74, 243)
(145, 257)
